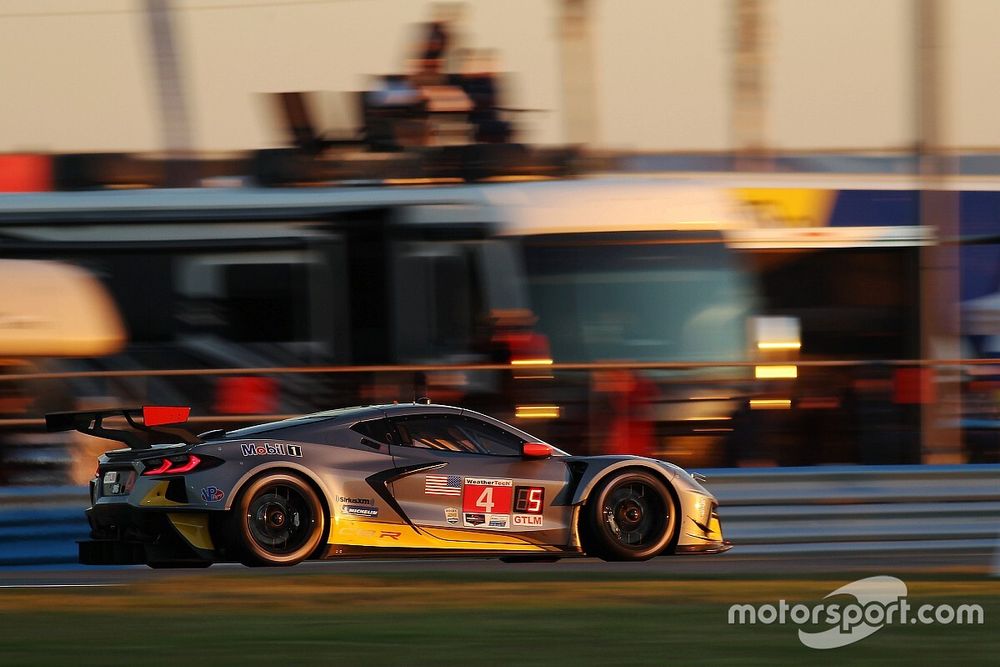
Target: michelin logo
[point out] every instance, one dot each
(271, 449)
(360, 510)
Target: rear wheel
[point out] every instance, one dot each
(630, 516)
(278, 519)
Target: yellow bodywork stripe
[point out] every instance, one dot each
(194, 529)
(157, 497)
(362, 533)
(714, 528)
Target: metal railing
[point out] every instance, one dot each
(554, 367)
(860, 508)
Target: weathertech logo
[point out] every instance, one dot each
(479, 481)
(271, 449)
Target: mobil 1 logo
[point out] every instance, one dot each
(270, 449)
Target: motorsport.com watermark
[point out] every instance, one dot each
(878, 601)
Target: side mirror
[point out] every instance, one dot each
(536, 450)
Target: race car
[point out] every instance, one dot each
(374, 481)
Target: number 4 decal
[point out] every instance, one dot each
(487, 495)
(485, 501)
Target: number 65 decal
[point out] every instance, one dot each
(529, 499)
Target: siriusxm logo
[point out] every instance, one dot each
(271, 449)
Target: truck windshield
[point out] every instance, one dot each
(638, 297)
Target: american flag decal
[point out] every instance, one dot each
(443, 485)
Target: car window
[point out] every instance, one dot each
(435, 432)
(457, 434)
(379, 430)
(492, 439)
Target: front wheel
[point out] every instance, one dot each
(278, 519)
(630, 516)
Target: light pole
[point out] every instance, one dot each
(939, 262)
(576, 55)
(747, 111)
(177, 141)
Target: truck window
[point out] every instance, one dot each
(437, 300)
(641, 297)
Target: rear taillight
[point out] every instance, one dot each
(173, 465)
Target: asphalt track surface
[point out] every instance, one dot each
(726, 565)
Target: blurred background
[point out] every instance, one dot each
(736, 233)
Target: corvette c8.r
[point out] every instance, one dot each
(402, 479)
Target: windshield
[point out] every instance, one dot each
(638, 297)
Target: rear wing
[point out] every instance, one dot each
(154, 419)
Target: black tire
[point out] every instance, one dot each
(277, 520)
(630, 515)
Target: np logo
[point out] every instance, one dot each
(271, 449)
(212, 494)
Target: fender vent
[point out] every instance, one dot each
(176, 491)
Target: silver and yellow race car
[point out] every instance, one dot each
(384, 480)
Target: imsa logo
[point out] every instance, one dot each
(271, 449)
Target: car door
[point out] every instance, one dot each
(465, 481)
